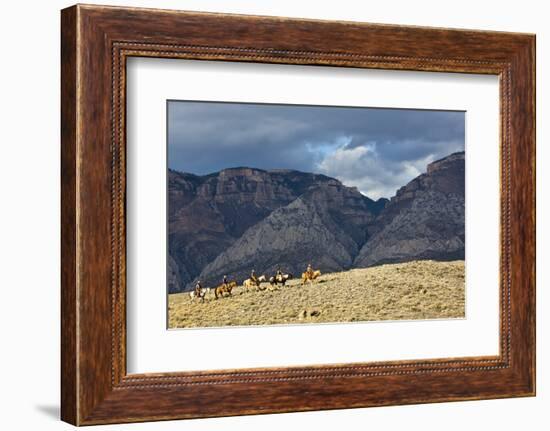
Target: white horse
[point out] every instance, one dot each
(249, 283)
(202, 294)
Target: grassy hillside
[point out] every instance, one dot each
(413, 290)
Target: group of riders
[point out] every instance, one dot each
(278, 276)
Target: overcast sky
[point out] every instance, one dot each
(376, 150)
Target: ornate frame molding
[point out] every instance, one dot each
(96, 41)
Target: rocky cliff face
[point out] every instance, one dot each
(326, 226)
(425, 220)
(207, 214)
(241, 219)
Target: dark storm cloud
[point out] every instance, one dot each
(377, 150)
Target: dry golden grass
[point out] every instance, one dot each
(410, 291)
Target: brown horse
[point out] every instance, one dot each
(222, 289)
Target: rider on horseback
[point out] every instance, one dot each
(198, 289)
(309, 271)
(253, 277)
(279, 275)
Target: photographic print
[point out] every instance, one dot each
(300, 214)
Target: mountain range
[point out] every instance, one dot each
(239, 219)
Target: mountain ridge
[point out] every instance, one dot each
(242, 218)
(425, 218)
(208, 213)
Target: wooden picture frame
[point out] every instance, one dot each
(95, 43)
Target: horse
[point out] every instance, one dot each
(249, 283)
(201, 295)
(224, 288)
(310, 276)
(283, 278)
